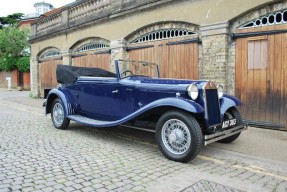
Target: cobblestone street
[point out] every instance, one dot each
(34, 156)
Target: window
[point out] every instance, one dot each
(52, 53)
(163, 34)
(271, 19)
(91, 46)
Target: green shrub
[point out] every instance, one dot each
(7, 63)
(23, 64)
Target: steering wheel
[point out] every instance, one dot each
(125, 73)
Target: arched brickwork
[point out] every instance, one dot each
(160, 26)
(255, 13)
(89, 40)
(44, 52)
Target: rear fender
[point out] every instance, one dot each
(228, 101)
(54, 94)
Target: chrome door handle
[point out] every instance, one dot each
(115, 91)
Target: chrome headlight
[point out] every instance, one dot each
(220, 91)
(192, 91)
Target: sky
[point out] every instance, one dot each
(26, 6)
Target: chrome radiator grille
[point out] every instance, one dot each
(212, 108)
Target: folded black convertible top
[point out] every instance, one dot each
(68, 74)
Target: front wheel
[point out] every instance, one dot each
(232, 114)
(179, 136)
(58, 116)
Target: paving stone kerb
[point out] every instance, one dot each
(34, 156)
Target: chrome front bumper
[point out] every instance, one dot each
(223, 134)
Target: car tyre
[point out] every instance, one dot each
(232, 113)
(179, 136)
(57, 115)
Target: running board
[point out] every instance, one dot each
(97, 123)
(92, 122)
(139, 128)
(223, 134)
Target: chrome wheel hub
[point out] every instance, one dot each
(58, 114)
(172, 138)
(176, 136)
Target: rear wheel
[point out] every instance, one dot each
(58, 115)
(179, 136)
(232, 114)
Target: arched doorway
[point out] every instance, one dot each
(91, 52)
(48, 61)
(174, 46)
(261, 69)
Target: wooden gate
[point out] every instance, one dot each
(48, 74)
(99, 60)
(177, 57)
(261, 75)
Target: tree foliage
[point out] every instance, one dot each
(23, 64)
(12, 19)
(7, 63)
(13, 43)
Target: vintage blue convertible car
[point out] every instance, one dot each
(184, 114)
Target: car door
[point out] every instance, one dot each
(127, 99)
(99, 98)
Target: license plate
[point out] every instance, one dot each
(228, 123)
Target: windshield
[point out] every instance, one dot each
(129, 68)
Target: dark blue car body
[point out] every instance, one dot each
(115, 101)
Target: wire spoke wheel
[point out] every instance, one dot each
(176, 136)
(58, 114)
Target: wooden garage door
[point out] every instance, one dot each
(99, 60)
(177, 57)
(48, 74)
(261, 76)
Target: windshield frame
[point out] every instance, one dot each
(121, 68)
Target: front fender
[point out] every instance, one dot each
(53, 94)
(228, 101)
(180, 103)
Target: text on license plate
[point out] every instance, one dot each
(229, 123)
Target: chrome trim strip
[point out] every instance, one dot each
(223, 134)
(206, 137)
(70, 109)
